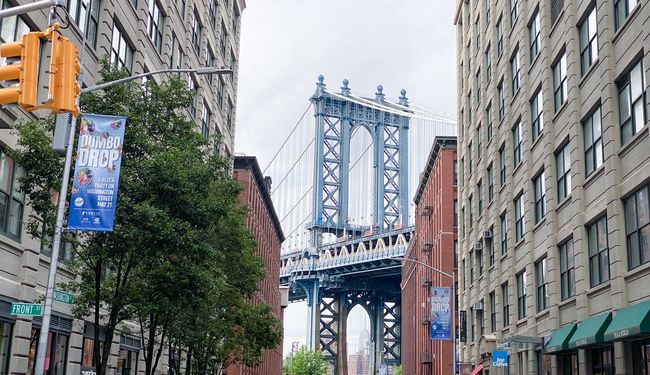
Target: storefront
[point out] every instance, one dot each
(558, 344)
(58, 338)
(127, 357)
(632, 326)
(590, 336)
(6, 328)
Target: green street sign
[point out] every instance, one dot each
(63, 297)
(29, 309)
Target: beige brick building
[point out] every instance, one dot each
(141, 35)
(554, 159)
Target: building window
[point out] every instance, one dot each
(121, 51)
(568, 363)
(488, 121)
(464, 270)
(598, 251)
(514, 12)
(503, 231)
(471, 211)
(500, 37)
(563, 172)
(472, 318)
(602, 360)
(469, 158)
(479, 192)
(455, 172)
(230, 112)
(56, 356)
(505, 304)
(515, 65)
(78, 11)
(220, 88)
(637, 227)
(209, 61)
(455, 254)
(213, 12)
(516, 144)
(533, 32)
(556, 9)
(488, 65)
(5, 346)
(493, 312)
(479, 258)
(478, 87)
(622, 9)
(540, 197)
(469, 107)
(541, 270)
(631, 102)
(488, 9)
(191, 85)
(471, 268)
(479, 142)
(155, 24)
(588, 41)
(520, 225)
(502, 166)
(490, 179)
(206, 119)
(176, 57)
(196, 31)
(537, 113)
(224, 39)
(477, 33)
(480, 320)
(455, 213)
(521, 294)
(593, 142)
(567, 270)
(490, 246)
(560, 82)
(502, 100)
(12, 200)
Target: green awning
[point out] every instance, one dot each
(629, 321)
(591, 331)
(560, 339)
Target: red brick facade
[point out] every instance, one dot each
(264, 225)
(435, 235)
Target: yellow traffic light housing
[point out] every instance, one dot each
(25, 71)
(64, 69)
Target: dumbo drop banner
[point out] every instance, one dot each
(96, 173)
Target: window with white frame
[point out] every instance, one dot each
(78, 11)
(588, 41)
(502, 165)
(631, 102)
(516, 144)
(206, 119)
(499, 37)
(622, 9)
(197, 30)
(598, 246)
(502, 100)
(488, 120)
(514, 12)
(541, 283)
(505, 304)
(593, 138)
(192, 86)
(155, 24)
(560, 82)
(520, 224)
(121, 52)
(563, 172)
(534, 29)
(537, 114)
(488, 64)
(12, 199)
(176, 56)
(503, 232)
(478, 87)
(637, 227)
(521, 294)
(490, 179)
(213, 12)
(539, 183)
(567, 270)
(515, 65)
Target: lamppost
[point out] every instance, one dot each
(58, 229)
(454, 311)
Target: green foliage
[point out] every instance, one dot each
(305, 362)
(180, 259)
(398, 370)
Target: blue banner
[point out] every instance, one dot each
(440, 314)
(96, 173)
(500, 358)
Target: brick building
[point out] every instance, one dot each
(435, 241)
(263, 223)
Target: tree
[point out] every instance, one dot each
(305, 362)
(398, 370)
(179, 237)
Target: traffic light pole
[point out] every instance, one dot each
(37, 5)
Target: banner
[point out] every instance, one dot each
(463, 326)
(96, 173)
(440, 313)
(500, 358)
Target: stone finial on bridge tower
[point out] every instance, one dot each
(345, 90)
(320, 85)
(403, 100)
(379, 95)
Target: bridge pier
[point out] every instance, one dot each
(378, 336)
(313, 292)
(342, 344)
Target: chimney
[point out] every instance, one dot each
(268, 182)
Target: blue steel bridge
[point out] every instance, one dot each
(342, 189)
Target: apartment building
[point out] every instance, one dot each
(140, 35)
(433, 246)
(554, 182)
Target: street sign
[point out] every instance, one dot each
(63, 297)
(28, 309)
(500, 358)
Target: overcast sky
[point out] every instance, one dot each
(286, 44)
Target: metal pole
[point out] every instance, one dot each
(455, 308)
(207, 70)
(37, 5)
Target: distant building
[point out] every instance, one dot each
(263, 223)
(434, 244)
(554, 184)
(359, 364)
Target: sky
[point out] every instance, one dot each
(286, 44)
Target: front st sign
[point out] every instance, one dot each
(27, 309)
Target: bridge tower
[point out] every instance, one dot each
(337, 115)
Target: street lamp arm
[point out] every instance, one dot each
(427, 266)
(204, 70)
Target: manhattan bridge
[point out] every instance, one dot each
(344, 180)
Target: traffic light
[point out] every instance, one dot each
(64, 69)
(25, 71)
